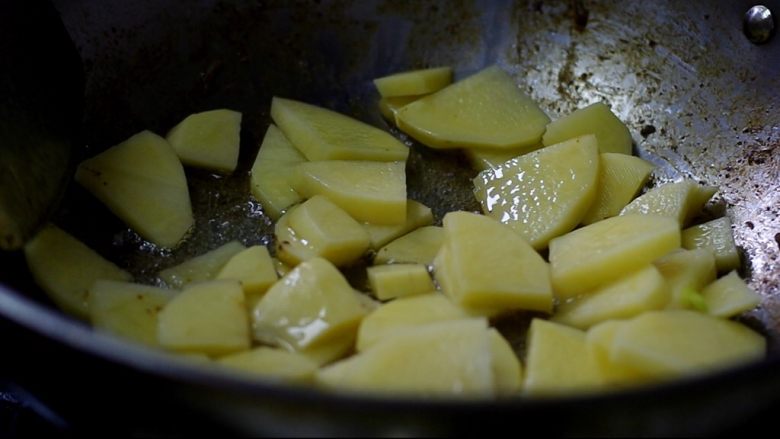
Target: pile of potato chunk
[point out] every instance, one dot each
(620, 289)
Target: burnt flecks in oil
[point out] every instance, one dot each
(647, 130)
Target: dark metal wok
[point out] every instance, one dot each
(700, 99)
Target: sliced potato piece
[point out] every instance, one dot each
(543, 194)
(281, 267)
(682, 201)
(322, 134)
(485, 110)
(373, 192)
(686, 271)
(270, 181)
(309, 306)
(446, 278)
(717, 237)
(201, 268)
(629, 296)
(558, 361)
(621, 177)
(666, 344)
(399, 280)
(327, 231)
(599, 340)
(127, 310)
(489, 266)
(608, 250)
(329, 351)
(597, 119)
(450, 358)
(415, 82)
(210, 140)
(142, 181)
(65, 269)
(208, 318)
(417, 215)
(489, 158)
(417, 247)
(254, 268)
(272, 363)
(507, 369)
(389, 107)
(729, 296)
(403, 314)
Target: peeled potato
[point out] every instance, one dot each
(487, 265)
(716, 236)
(597, 119)
(608, 250)
(322, 134)
(485, 110)
(729, 296)
(374, 192)
(142, 181)
(202, 267)
(210, 139)
(417, 215)
(415, 82)
(270, 181)
(311, 305)
(65, 268)
(419, 246)
(543, 194)
(621, 177)
(128, 310)
(450, 358)
(682, 201)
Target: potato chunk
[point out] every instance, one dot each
(271, 364)
(682, 201)
(621, 177)
(686, 272)
(485, 110)
(322, 134)
(629, 296)
(415, 82)
(271, 172)
(717, 237)
(417, 247)
(599, 340)
(142, 181)
(319, 228)
(607, 250)
(558, 361)
(543, 194)
(373, 192)
(254, 268)
(210, 140)
(487, 265)
(208, 318)
(403, 314)
(507, 369)
(597, 119)
(389, 107)
(729, 296)
(450, 358)
(127, 310)
(309, 306)
(666, 344)
(200, 268)
(65, 269)
(417, 215)
(489, 158)
(399, 280)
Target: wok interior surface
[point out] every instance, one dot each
(700, 100)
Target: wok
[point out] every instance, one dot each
(700, 99)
